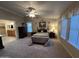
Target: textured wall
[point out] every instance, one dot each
(35, 22)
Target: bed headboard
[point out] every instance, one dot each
(42, 30)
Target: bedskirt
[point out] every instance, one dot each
(39, 40)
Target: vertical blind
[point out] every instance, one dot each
(74, 31)
(63, 27)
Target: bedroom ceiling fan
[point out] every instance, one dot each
(31, 12)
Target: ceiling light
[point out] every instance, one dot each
(31, 12)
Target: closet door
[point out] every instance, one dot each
(2, 29)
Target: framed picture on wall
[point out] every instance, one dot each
(42, 24)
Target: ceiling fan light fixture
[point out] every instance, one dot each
(31, 15)
(31, 12)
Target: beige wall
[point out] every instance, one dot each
(51, 24)
(71, 10)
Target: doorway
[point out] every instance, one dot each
(8, 31)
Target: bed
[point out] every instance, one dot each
(40, 38)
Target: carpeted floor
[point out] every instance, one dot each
(20, 49)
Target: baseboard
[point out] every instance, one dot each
(67, 49)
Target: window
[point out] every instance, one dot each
(74, 31)
(29, 27)
(63, 27)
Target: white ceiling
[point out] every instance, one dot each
(44, 8)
